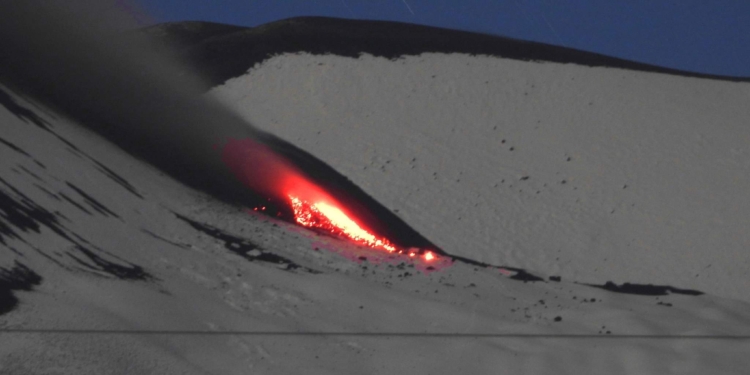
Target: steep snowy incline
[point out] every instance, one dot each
(116, 267)
(595, 174)
(127, 244)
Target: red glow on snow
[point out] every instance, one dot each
(269, 174)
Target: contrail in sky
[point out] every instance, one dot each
(408, 7)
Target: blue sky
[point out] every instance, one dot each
(695, 35)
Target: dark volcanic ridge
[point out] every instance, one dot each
(221, 52)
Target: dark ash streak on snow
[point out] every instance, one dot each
(645, 289)
(116, 178)
(520, 274)
(24, 114)
(19, 277)
(14, 147)
(97, 264)
(160, 238)
(95, 204)
(21, 216)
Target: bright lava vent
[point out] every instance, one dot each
(329, 218)
(272, 176)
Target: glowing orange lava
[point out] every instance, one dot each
(324, 216)
(271, 175)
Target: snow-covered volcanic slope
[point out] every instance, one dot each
(111, 266)
(610, 172)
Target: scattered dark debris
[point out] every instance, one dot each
(244, 247)
(19, 277)
(555, 278)
(93, 202)
(564, 182)
(664, 304)
(645, 289)
(524, 178)
(558, 318)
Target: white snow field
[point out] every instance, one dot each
(140, 274)
(593, 174)
(195, 288)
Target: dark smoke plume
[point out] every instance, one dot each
(74, 57)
